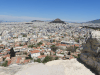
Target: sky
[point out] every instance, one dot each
(67, 10)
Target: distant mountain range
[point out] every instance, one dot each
(37, 21)
(94, 21)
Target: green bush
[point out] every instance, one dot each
(5, 64)
(69, 53)
(53, 48)
(29, 57)
(53, 40)
(30, 46)
(24, 35)
(21, 44)
(38, 60)
(42, 53)
(78, 55)
(56, 58)
(47, 58)
(40, 43)
(4, 59)
(25, 53)
(61, 53)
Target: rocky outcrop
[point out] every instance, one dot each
(90, 62)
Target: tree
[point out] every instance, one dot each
(24, 35)
(47, 58)
(53, 48)
(71, 49)
(29, 57)
(68, 53)
(56, 58)
(25, 53)
(38, 60)
(40, 43)
(21, 44)
(53, 40)
(5, 63)
(32, 46)
(12, 53)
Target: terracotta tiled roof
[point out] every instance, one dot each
(42, 45)
(6, 56)
(26, 61)
(42, 48)
(9, 62)
(61, 45)
(41, 38)
(71, 57)
(41, 56)
(25, 46)
(52, 51)
(18, 60)
(77, 45)
(8, 49)
(68, 45)
(48, 43)
(0, 53)
(58, 52)
(16, 45)
(8, 59)
(1, 45)
(34, 51)
(32, 40)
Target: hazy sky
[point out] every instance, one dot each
(67, 10)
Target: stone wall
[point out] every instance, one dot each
(90, 62)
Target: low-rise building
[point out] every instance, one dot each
(35, 53)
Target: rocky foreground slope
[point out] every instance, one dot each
(56, 67)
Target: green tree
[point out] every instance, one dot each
(38, 60)
(12, 53)
(29, 57)
(53, 40)
(53, 48)
(47, 58)
(30, 46)
(25, 53)
(24, 35)
(40, 43)
(21, 44)
(68, 53)
(5, 63)
(56, 58)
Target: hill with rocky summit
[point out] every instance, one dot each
(58, 21)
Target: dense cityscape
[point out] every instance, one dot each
(40, 41)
